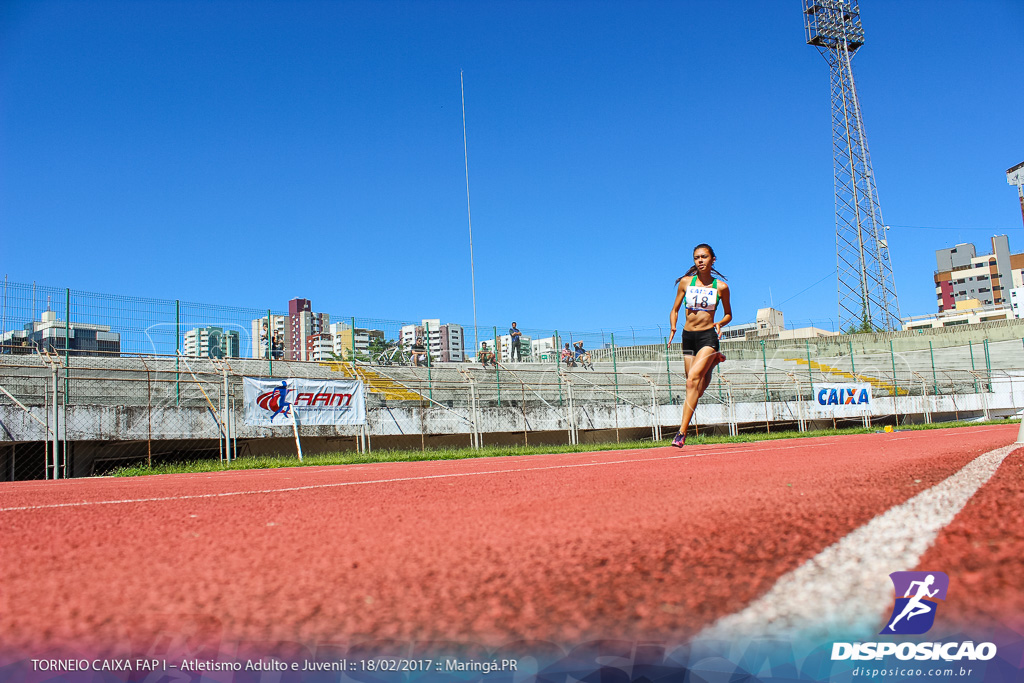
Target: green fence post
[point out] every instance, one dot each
(67, 341)
(558, 366)
(810, 374)
(353, 358)
(497, 371)
(430, 381)
(177, 351)
(67, 371)
(270, 344)
(615, 370)
(988, 366)
(895, 385)
(935, 379)
(668, 370)
(764, 359)
(970, 347)
(853, 368)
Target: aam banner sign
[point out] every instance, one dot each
(842, 399)
(275, 402)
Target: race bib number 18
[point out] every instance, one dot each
(701, 298)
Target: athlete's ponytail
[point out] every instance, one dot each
(693, 268)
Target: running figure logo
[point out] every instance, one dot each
(276, 400)
(914, 612)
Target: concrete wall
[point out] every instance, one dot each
(101, 435)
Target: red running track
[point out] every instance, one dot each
(654, 543)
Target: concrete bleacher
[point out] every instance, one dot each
(196, 382)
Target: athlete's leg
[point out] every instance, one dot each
(696, 366)
(713, 362)
(680, 438)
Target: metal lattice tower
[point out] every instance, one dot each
(867, 290)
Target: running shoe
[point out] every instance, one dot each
(679, 441)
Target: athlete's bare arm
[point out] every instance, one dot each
(723, 293)
(673, 317)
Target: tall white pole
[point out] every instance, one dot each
(1020, 432)
(469, 213)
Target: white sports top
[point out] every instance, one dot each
(700, 298)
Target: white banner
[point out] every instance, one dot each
(842, 399)
(273, 402)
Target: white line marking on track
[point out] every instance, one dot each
(845, 590)
(310, 487)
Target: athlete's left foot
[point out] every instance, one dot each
(680, 440)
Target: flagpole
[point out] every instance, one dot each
(469, 213)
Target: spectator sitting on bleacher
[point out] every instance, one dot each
(568, 357)
(487, 356)
(419, 352)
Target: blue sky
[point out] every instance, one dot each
(245, 153)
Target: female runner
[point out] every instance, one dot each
(701, 292)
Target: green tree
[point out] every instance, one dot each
(865, 327)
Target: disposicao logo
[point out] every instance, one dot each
(914, 612)
(917, 596)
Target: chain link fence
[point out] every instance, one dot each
(89, 382)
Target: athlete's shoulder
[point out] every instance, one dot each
(723, 286)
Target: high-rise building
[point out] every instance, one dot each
(344, 337)
(56, 336)
(446, 342)
(319, 347)
(211, 342)
(1017, 302)
(302, 323)
(963, 275)
(266, 337)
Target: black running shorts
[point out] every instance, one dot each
(695, 341)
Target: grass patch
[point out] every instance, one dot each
(352, 457)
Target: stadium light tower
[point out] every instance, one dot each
(867, 290)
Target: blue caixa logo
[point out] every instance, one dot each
(917, 596)
(843, 395)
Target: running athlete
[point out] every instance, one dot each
(914, 606)
(701, 291)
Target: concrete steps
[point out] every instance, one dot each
(378, 384)
(829, 370)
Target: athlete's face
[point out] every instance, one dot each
(703, 259)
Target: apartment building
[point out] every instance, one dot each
(344, 339)
(446, 342)
(1017, 302)
(52, 335)
(266, 336)
(319, 347)
(302, 324)
(962, 274)
(211, 342)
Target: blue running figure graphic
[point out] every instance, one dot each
(915, 605)
(279, 398)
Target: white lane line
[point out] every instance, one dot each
(310, 487)
(845, 590)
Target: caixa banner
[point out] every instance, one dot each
(275, 402)
(842, 399)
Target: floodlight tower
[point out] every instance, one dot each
(867, 290)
